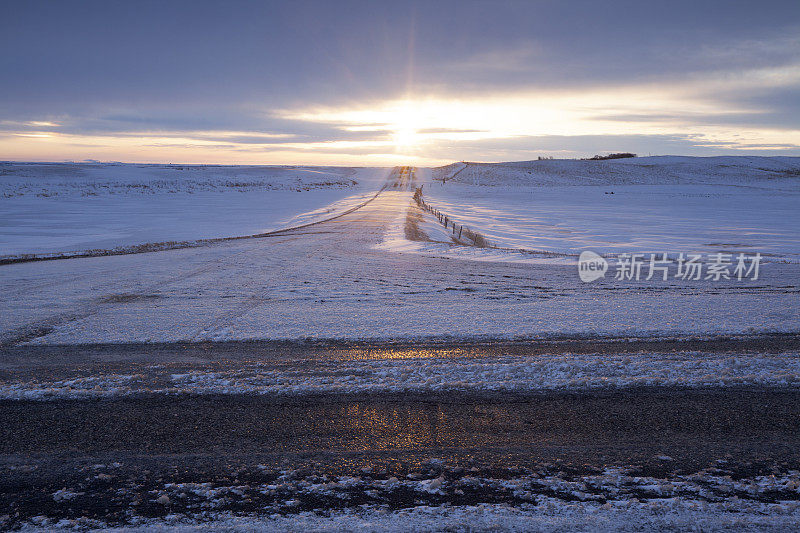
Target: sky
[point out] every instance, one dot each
(382, 83)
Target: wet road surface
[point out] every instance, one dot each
(112, 458)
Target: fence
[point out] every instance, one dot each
(460, 232)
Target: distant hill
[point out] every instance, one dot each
(625, 171)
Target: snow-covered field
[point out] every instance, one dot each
(650, 205)
(654, 170)
(352, 278)
(56, 208)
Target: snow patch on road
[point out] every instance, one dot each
(504, 373)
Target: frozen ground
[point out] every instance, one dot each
(615, 404)
(329, 282)
(349, 279)
(58, 208)
(550, 515)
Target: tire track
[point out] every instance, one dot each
(404, 179)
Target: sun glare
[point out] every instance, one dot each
(405, 138)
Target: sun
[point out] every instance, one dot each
(405, 138)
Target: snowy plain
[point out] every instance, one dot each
(354, 278)
(60, 207)
(641, 205)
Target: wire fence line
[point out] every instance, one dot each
(461, 233)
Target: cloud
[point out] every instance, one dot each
(519, 57)
(316, 79)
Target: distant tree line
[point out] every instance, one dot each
(620, 155)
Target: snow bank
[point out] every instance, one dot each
(611, 501)
(550, 516)
(615, 499)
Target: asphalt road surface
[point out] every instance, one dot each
(114, 457)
